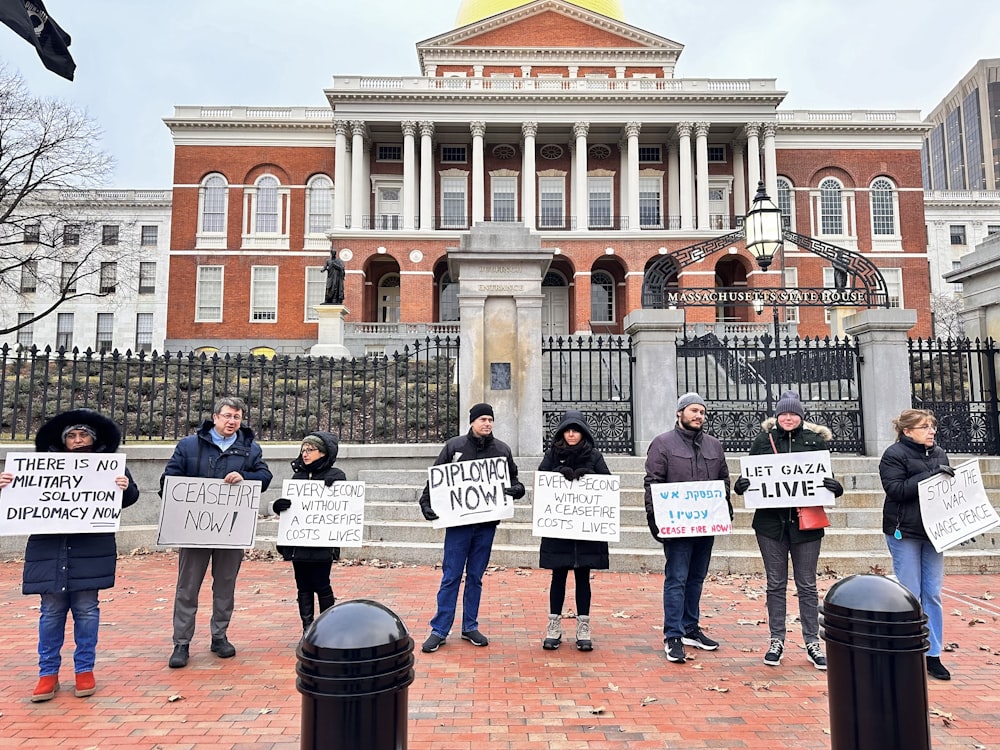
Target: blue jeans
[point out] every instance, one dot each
(52, 630)
(466, 548)
(684, 574)
(921, 570)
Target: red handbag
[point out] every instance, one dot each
(811, 517)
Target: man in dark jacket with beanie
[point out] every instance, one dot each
(685, 454)
(466, 548)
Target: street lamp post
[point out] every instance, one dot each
(764, 235)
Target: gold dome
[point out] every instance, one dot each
(471, 11)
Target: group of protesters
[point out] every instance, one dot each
(68, 569)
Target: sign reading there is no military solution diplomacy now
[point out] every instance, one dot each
(467, 492)
(955, 509)
(787, 480)
(683, 509)
(322, 516)
(61, 493)
(199, 512)
(585, 508)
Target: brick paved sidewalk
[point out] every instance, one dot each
(509, 696)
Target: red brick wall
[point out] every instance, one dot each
(548, 30)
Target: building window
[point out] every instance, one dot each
(600, 206)
(650, 154)
(144, 332)
(504, 198)
(315, 291)
(32, 233)
(389, 153)
(883, 207)
(105, 332)
(319, 204)
(64, 331)
(71, 235)
(389, 208)
(149, 235)
(109, 277)
(894, 285)
(67, 276)
(786, 203)
(452, 154)
(957, 232)
(453, 210)
(264, 294)
(992, 229)
(602, 297)
(716, 154)
(109, 234)
(214, 194)
(25, 330)
(388, 298)
(830, 207)
(791, 282)
(29, 276)
(550, 203)
(448, 300)
(650, 203)
(147, 277)
(266, 206)
(208, 295)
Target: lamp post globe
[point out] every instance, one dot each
(763, 228)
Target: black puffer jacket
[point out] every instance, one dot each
(583, 459)
(59, 563)
(319, 470)
(903, 465)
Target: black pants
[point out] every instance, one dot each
(312, 576)
(557, 591)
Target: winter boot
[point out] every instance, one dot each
(553, 633)
(583, 641)
(307, 609)
(46, 689)
(326, 599)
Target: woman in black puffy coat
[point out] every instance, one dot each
(573, 455)
(312, 565)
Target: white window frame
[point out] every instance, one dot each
(315, 291)
(108, 277)
(147, 277)
(503, 199)
(790, 217)
(67, 276)
(465, 153)
(453, 185)
(105, 327)
(29, 277)
(64, 331)
(791, 282)
(553, 186)
(263, 294)
(319, 212)
(598, 188)
(610, 304)
(882, 240)
(26, 331)
(649, 187)
(149, 235)
(254, 236)
(388, 312)
(208, 294)
(213, 194)
(145, 325)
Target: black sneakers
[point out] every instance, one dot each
(814, 653)
(698, 639)
(773, 656)
(432, 644)
(475, 638)
(675, 650)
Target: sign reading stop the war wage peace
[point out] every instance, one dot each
(322, 516)
(466, 492)
(61, 493)
(955, 509)
(586, 508)
(787, 480)
(199, 512)
(691, 508)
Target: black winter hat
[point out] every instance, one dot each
(480, 410)
(789, 404)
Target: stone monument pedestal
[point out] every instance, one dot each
(330, 342)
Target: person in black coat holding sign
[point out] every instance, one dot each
(68, 570)
(573, 455)
(311, 565)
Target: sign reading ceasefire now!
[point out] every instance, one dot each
(467, 492)
(199, 512)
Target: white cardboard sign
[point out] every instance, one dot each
(586, 508)
(955, 509)
(322, 516)
(200, 512)
(61, 493)
(683, 509)
(787, 480)
(467, 492)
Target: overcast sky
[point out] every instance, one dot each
(137, 60)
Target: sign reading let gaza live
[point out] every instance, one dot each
(787, 480)
(467, 492)
(198, 512)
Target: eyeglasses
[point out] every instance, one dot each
(309, 449)
(231, 417)
(929, 427)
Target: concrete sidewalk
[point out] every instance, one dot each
(509, 696)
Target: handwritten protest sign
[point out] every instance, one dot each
(199, 512)
(955, 509)
(787, 480)
(322, 516)
(466, 492)
(586, 508)
(683, 509)
(61, 493)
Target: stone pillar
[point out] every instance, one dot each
(330, 339)
(340, 187)
(359, 204)
(499, 269)
(427, 176)
(885, 371)
(409, 174)
(684, 150)
(770, 161)
(478, 175)
(632, 175)
(739, 180)
(701, 173)
(582, 208)
(672, 220)
(528, 132)
(752, 130)
(654, 346)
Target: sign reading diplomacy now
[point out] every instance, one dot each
(199, 512)
(955, 509)
(787, 480)
(586, 508)
(322, 516)
(61, 493)
(467, 492)
(691, 508)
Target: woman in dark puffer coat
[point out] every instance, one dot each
(573, 455)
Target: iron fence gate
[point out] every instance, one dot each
(594, 376)
(741, 380)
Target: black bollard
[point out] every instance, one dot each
(876, 637)
(355, 664)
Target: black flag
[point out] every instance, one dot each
(29, 20)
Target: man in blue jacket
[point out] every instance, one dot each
(221, 449)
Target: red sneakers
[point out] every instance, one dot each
(46, 688)
(85, 684)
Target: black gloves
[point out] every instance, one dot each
(653, 528)
(281, 504)
(329, 480)
(566, 471)
(516, 491)
(581, 472)
(429, 513)
(741, 485)
(834, 486)
(944, 469)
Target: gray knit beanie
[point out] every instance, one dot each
(789, 404)
(687, 399)
(316, 442)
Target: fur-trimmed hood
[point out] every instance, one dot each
(824, 432)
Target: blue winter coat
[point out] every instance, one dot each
(197, 456)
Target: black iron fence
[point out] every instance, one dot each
(592, 374)
(410, 396)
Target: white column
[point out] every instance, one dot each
(528, 131)
(426, 176)
(409, 174)
(739, 179)
(580, 131)
(701, 173)
(341, 190)
(359, 206)
(632, 177)
(478, 129)
(770, 161)
(673, 186)
(752, 130)
(684, 152)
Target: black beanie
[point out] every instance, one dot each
(480, 410)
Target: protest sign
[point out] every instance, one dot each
(787, 480)
(466, 492)
(199, 512)
(691, 508)
(586, 508)
(955, 509)
(322, 516)
(61, 493)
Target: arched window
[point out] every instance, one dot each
(448, 300)
(213, 204)
(266, 206)
(786, 203)
(388, 298)
(319, 205)
(830, 207)
(602, 297)
(883, 199)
